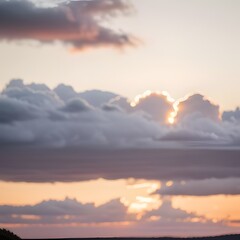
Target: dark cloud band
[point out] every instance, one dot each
(71, 165)
(78, 24)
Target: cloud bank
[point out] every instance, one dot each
(63, 212)
(70, 211)
(35, 115)
(79, 24)
(205, 187)
(74, 164)
(103, 134)
(70, 218)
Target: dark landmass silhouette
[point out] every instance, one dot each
(7, 235)
(223, 237)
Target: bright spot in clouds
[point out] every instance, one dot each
(147, 93)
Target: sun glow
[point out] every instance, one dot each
(137, 98)
(214, 207)
(172, 115)
(146, 200)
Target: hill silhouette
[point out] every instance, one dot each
(224, 237)
(7, 235)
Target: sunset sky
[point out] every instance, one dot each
(119, 118)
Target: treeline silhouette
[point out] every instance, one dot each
(7, 235)
(224, 237)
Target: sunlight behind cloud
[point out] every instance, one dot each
(171, 118)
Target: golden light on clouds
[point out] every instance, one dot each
(145, 201)
(135, 194)
(171, 118)
(169, 183)
(139, 97)
(215, 208)
(148, 93)
(98, 191)
(174, 113)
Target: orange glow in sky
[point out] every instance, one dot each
(216, 207)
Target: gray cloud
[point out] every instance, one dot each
(12, 110)
(232, 116)
(63, 212)
(63, 118)
(122, 102)
(74, 164)
(167, 212)
(73, 216)
(76, 105)
(197, 104)
(204, 187)
(38, 95)
(34, 117)
(79, 24)
(72, 122)
(71, 211)
(97, 98)
(111, 107)
(156, 105)
(65, 92)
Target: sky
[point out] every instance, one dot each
(182, 47)
(119, 118)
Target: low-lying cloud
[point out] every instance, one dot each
(63, 212)
(71, 211)
(205, 187)
(112, 218)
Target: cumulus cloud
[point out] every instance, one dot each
(199, 131)
(232, 116)
(76, 105)
(12, 110)
(97, 98)
(63, 118)
(168, 212)
(63, 212)
(156, 105)
(100, 141)
(38, 95)
(122, 102)
(77, 219)
(71, 211)
(205, 187)
(78, 23)
(65, 92)
(72, 121)
(197, 104)
(111, 107)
